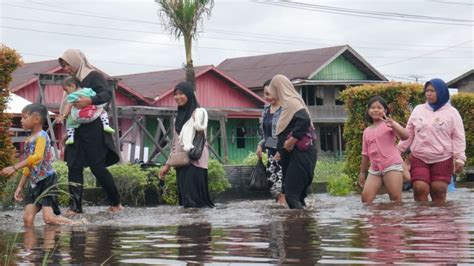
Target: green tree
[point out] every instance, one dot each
(181, 18)
(9, 61)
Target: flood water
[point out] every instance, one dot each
(337, 230)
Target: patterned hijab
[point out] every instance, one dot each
(185, 112)
(78, 61)
(290, 100)
(442, 93)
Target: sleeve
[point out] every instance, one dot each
(301, 125)
(38, 155)
(260, 128)
(458, 138)
(97, 82)
(405, 144)
(26, 171)
(365, 147)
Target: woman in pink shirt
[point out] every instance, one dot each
(437, 143)
(378, 148)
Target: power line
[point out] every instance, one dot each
(281, 39)
(366, 14)
(416, 57)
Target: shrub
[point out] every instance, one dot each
(327, 169)
(252, 159)
(401, 98)
(464, 102)
(9, 61)
(340, 186)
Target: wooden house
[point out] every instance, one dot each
(319, 75)
(464, 83)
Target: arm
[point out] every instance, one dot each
(98, 83)
(67, 109)
(401, 132)
(301, 126)
(405, 144)
(19, 190)
(459, 143)
(364, 167)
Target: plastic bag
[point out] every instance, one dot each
(258, 178)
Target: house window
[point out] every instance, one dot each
(241, 132)
(309, 95)
(337, 96)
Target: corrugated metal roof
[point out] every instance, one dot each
(27, 72)
(253, 71)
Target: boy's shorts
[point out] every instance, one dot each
(394, 167)
(50, 200)
(440, 171)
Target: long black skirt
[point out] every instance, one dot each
(193, 189)
(298, 171)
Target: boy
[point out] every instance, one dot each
(75, 116)
(38, 170)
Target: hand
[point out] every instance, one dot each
(389, 121)
(8, 171)
(290, 144)
(82, 102)
(361, 180)
(458, 167)
(59, 119)
(19, 194)
(259, 152)
(164, 170)
(277, 157)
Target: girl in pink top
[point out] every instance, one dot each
(378, 148)
(437, 143)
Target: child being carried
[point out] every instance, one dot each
(75, 116)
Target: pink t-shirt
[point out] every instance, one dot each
(435, 136)
(378, 143)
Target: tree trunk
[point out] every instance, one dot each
(190, 75)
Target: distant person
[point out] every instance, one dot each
(91, 148)
(37, 169)
(268, 123)
(437, 143)
(74, 116)
(296, 149)
(378, 150)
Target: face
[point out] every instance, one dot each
(430, 94)
(376, 111)
(268, 97)
(68, 68)
(70, 88)
(180, 98)
(27, 121)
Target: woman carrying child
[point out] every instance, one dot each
(378, 148)
(91, 146)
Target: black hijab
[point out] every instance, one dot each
(185, 112)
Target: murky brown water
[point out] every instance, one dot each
(333, 230)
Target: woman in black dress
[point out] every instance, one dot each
(293, 128)
(92, 147)
(192, 180)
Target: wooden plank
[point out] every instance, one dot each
(134, 140)
(224, 139)
(115, 119)
(142, 139)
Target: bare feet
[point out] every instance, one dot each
(281, 199)
(114, 209)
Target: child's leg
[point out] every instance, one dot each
(371, 187)
(393, 181)
(70, 135)
(421, 190)
(438, 191)
(50, 218)
(29, 214)
(104, 117)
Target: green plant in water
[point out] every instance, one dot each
(9, 251)
(340, 186)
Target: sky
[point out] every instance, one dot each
(412, 40)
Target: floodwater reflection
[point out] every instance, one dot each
(332, 231)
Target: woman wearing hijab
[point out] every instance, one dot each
(437, 143)
(192, 180)
(92, 148)
(296, 151)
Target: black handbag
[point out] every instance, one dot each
(198, 142)
(258, 178)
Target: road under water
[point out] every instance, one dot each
(335, 230)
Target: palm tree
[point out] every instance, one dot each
(181, 18)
